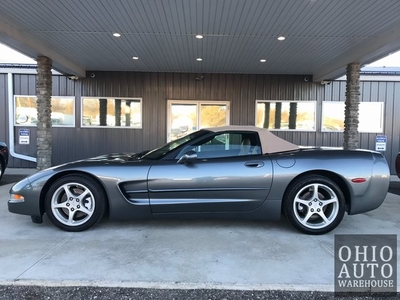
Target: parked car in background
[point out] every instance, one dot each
(3, 158)
(222, 172)
(397, 164)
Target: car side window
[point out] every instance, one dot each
(227, 144)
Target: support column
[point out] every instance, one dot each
(44, 128)
(293, 115)
(103, 112)
(266, 115)
(350, 136)
(117, 112)
(278, 114)
(127, 113)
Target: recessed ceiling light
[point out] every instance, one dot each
(199, 36)
(199, 59)
(116, 34)
(135, 57)
(281, 38)
(263, 60)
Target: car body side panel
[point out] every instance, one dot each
(117, 178)
(345, 165)
(246, 192)
(210, 185)
(125, 186)
(269, 210)
(376, 190)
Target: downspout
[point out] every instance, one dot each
(11, 122)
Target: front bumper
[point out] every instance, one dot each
(27, 205)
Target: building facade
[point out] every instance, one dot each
(131, 112)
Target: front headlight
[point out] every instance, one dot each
(16, 198)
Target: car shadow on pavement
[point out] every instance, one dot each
(394, 187)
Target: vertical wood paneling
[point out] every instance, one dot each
(156, 88)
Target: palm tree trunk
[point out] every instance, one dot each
(350, 134)
(44, 127)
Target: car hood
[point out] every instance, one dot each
(106, 159)
(85, 165)
(115, 157)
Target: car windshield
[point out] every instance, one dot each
(160, 152)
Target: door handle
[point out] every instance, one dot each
(254, 164)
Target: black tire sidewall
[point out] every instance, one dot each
(2, 168)
(95, 189)
(296, 186)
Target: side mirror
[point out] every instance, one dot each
(188, 157)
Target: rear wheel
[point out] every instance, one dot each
(75, 203)
(314, 204)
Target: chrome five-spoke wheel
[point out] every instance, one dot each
(75, 203)
(314, 204)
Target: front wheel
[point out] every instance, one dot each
(75, 203)
(314, 204)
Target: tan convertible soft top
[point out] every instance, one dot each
(270, 143)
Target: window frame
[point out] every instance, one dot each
(360, 130)
(198, 104)
(289, 101)
(140, 99)
(53, 125)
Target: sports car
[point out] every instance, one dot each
(3, 158)
(224, 172)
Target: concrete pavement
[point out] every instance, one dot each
(182, 254)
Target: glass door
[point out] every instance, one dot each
(185, 117)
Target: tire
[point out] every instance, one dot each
(314, 204)
(2, 168)
(75, 203)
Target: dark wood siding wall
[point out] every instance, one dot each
(156, 88)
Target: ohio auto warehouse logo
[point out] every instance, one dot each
(366, 264)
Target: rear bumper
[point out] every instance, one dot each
(377, 188)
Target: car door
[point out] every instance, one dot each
(226, 173)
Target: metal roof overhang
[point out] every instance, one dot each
(322, 36)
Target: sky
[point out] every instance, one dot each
(8, 55)
(392, 60)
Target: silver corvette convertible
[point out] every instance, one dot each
(233, 172)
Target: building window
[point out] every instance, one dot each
(186, 116)
(63, 111)
(286, 115)
(112, 112)
(370, 116)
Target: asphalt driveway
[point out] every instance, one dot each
(195, 254)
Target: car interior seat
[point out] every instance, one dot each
(245, 147)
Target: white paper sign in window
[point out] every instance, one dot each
(370, 115)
